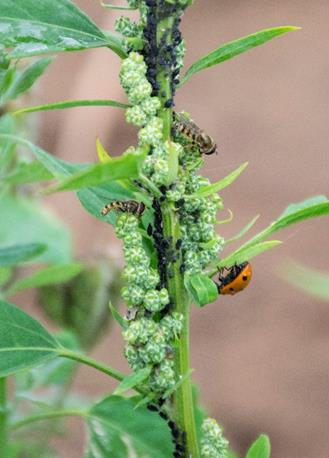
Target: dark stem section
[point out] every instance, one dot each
(162, 37)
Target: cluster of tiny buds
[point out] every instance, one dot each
(213, 443)
(143, 113)
(133, 79)
(200, 243)
(149, 341)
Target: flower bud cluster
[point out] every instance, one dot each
(149, 341)
(200, 243)
(213, 443)
(133, 79)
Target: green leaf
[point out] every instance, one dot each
(30, 28)
(310, 208)
(118, 318)
(202, 289)
(261, 448)
(25, 80)
(71, 104)
(6, 79)
(28, 172)
(24, 342)
(24, 220)
(5, 275)
(16, 254)
(93, 199)
(234, 48)
(117, 429)
(57, 167)
(56, 372)
(206, 191)
(7, 147)
(117, 7)
(311, 281)
(47, 276)
(132, 380)
(242, 255)
(126, 166)
(243, 231)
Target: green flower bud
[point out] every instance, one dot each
(206, 231)
(135, 115)
(152, 133)
(125, 224)
(172, 325)
(140, 331)
(150, 106)
(130, 274)
(133, 358)
(135, 274)
(127, 27)
(136, 255)
(148, 165)
(133, 239)
(130, 79)
(213, 443)
(161, 172)
(154, 351)
(177, 192)
(193, 204)
(163, 377)
(164, 296)
(152, 279)
(152, 301)
(139, 91)
(133, 295)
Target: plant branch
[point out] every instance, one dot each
(79, 357)
(183, 399)
(48, 416)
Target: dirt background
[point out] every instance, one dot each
(261, 358)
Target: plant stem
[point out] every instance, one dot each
(183, 399)
(92, 363)
(48, 416)
(3, 417)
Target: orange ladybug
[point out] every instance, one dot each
(234, 279)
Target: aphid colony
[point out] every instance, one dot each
(231, 280)
(178, 436)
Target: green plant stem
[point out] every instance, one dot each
(48, 416)
(3, 417)
(183, 398)
(79, 357)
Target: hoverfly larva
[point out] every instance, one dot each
(186, 127)
(126, 206)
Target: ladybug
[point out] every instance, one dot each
(234, 279)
